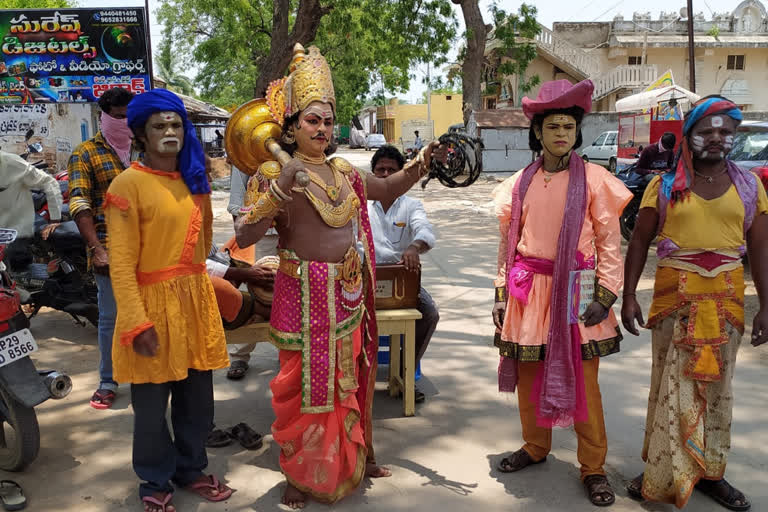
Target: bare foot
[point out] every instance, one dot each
(373, 470)
(161, 497)
(293, 497)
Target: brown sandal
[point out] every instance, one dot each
(517, 461)
(597, 488)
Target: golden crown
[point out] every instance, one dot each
(309, 80)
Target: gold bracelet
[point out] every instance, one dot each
(501, 294)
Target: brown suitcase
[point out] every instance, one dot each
(396, 287)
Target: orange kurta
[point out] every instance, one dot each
(527, 326)
(160, 236)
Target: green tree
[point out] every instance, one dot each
(514, 33)
(166, 67)
(36, 4)
(242, 45)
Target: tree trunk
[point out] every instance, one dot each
(472, 67)
(273, 65)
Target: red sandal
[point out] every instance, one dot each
(163, 504)
(203, 487)
(103, 399)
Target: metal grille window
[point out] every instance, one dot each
(735, 62)
(634, 60)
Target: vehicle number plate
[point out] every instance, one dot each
(16, 345)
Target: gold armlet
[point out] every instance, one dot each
(501, 294)
(266, 206)
(604, 296)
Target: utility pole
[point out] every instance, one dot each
(691, 62)
(149, 44)
(429, 104)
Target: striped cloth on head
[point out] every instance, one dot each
(677, 185)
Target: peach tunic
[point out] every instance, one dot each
(527, 326)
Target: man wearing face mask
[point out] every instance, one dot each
(549, 346)
(706, 213)
(92, 167)
(323, 313)
(168, 335)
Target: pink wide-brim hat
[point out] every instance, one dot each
(559, 94)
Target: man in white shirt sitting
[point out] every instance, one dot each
(17, 209)
(401, 232)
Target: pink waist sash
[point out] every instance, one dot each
(521, 274)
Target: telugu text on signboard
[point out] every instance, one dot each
(17, 119)
(71, 55)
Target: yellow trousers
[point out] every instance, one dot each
(592, 441)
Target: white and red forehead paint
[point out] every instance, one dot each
(717, 121)
(322, 113)
(168, 116)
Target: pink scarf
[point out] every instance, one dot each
(118, 136)
(558, 391)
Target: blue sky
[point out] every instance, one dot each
(549, 11)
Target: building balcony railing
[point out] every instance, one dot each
(569, 55)
(623, 77)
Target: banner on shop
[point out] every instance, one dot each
(17, 119)
(71, 55)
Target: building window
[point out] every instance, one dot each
(448, 98)
(490, 103)
(634, 60)
(735, 62)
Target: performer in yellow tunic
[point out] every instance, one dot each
(706, 212)
(168, 335)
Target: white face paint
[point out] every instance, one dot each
(728, 143)
(165, 133)
(697, 143)
(168, 145)
(717, 122)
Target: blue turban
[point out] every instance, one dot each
(191, 156)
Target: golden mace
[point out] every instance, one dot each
(251, 139)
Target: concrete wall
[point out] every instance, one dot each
(596, 123)
(58, 129)
(404, 119)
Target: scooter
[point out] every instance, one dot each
(22, 386)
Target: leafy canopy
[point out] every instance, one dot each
(229, 41)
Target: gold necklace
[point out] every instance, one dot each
(709, 178)
(334, 216)
(309, 159)
(332, 191)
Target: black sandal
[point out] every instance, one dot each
(246, 436)
(635, 488)
(237, 370)
(712, 489)
(217, 438)
(517, 461)
(598, 486)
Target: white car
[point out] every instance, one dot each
(603, 150)
(374, 141)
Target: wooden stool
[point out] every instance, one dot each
(393, 323)
(251, 333)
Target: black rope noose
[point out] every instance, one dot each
(465, 160)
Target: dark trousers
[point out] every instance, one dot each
(425, 327)
(159, 459)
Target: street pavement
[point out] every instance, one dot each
(444, 458)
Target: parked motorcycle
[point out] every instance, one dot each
(636, 183)
(57, 276)
(22, 386)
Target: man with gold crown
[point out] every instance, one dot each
(323, 307)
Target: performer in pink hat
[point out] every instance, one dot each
(558, 277)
